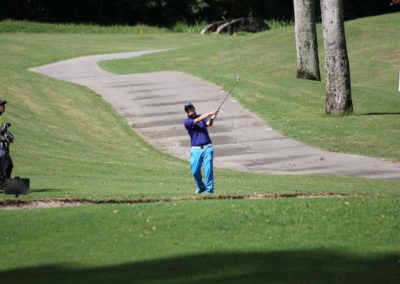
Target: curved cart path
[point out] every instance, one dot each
(152, 103)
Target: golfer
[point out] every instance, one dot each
(202, 148)
(6, 163)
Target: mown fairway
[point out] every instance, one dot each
(256, 241)
(73, 145)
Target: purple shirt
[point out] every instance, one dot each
(198, 132)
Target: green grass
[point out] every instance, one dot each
(267, 65)
(181, 27)
(277, 23)
(12, 26)
(68, 140)
(74, 145)
(205, 242)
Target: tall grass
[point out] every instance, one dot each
(278, 24)
(182, 27)
(11, 26)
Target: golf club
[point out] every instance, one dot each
(229, 93)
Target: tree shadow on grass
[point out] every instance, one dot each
(381, 113)
(40, 190)
(231, 267)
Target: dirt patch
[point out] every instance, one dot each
(55, 203)
(12, 205)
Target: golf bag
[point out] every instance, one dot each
(6, 166)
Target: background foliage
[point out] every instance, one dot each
(167, 12)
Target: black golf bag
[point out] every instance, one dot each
(17, 185)
(6, 166)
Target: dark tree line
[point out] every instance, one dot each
(168, 12)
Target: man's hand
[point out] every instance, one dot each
(213, 114)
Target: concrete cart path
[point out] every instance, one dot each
(152, 103)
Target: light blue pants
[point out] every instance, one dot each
(203, 157)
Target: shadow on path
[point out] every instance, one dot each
(273, 267)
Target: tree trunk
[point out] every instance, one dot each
(306, 40)
(337, 69)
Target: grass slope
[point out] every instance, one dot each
(72, 144)
(267, 65)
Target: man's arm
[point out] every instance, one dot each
(206, 115)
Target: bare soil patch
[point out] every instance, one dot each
(55, 203)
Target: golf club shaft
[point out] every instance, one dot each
(223, 102)
(229, 93)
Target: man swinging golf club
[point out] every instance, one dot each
(202, 149)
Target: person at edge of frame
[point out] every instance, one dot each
(6, 165)
(202, 153)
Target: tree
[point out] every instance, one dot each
(306, 40)
(337, 69)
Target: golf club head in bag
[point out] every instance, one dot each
(237, 78)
